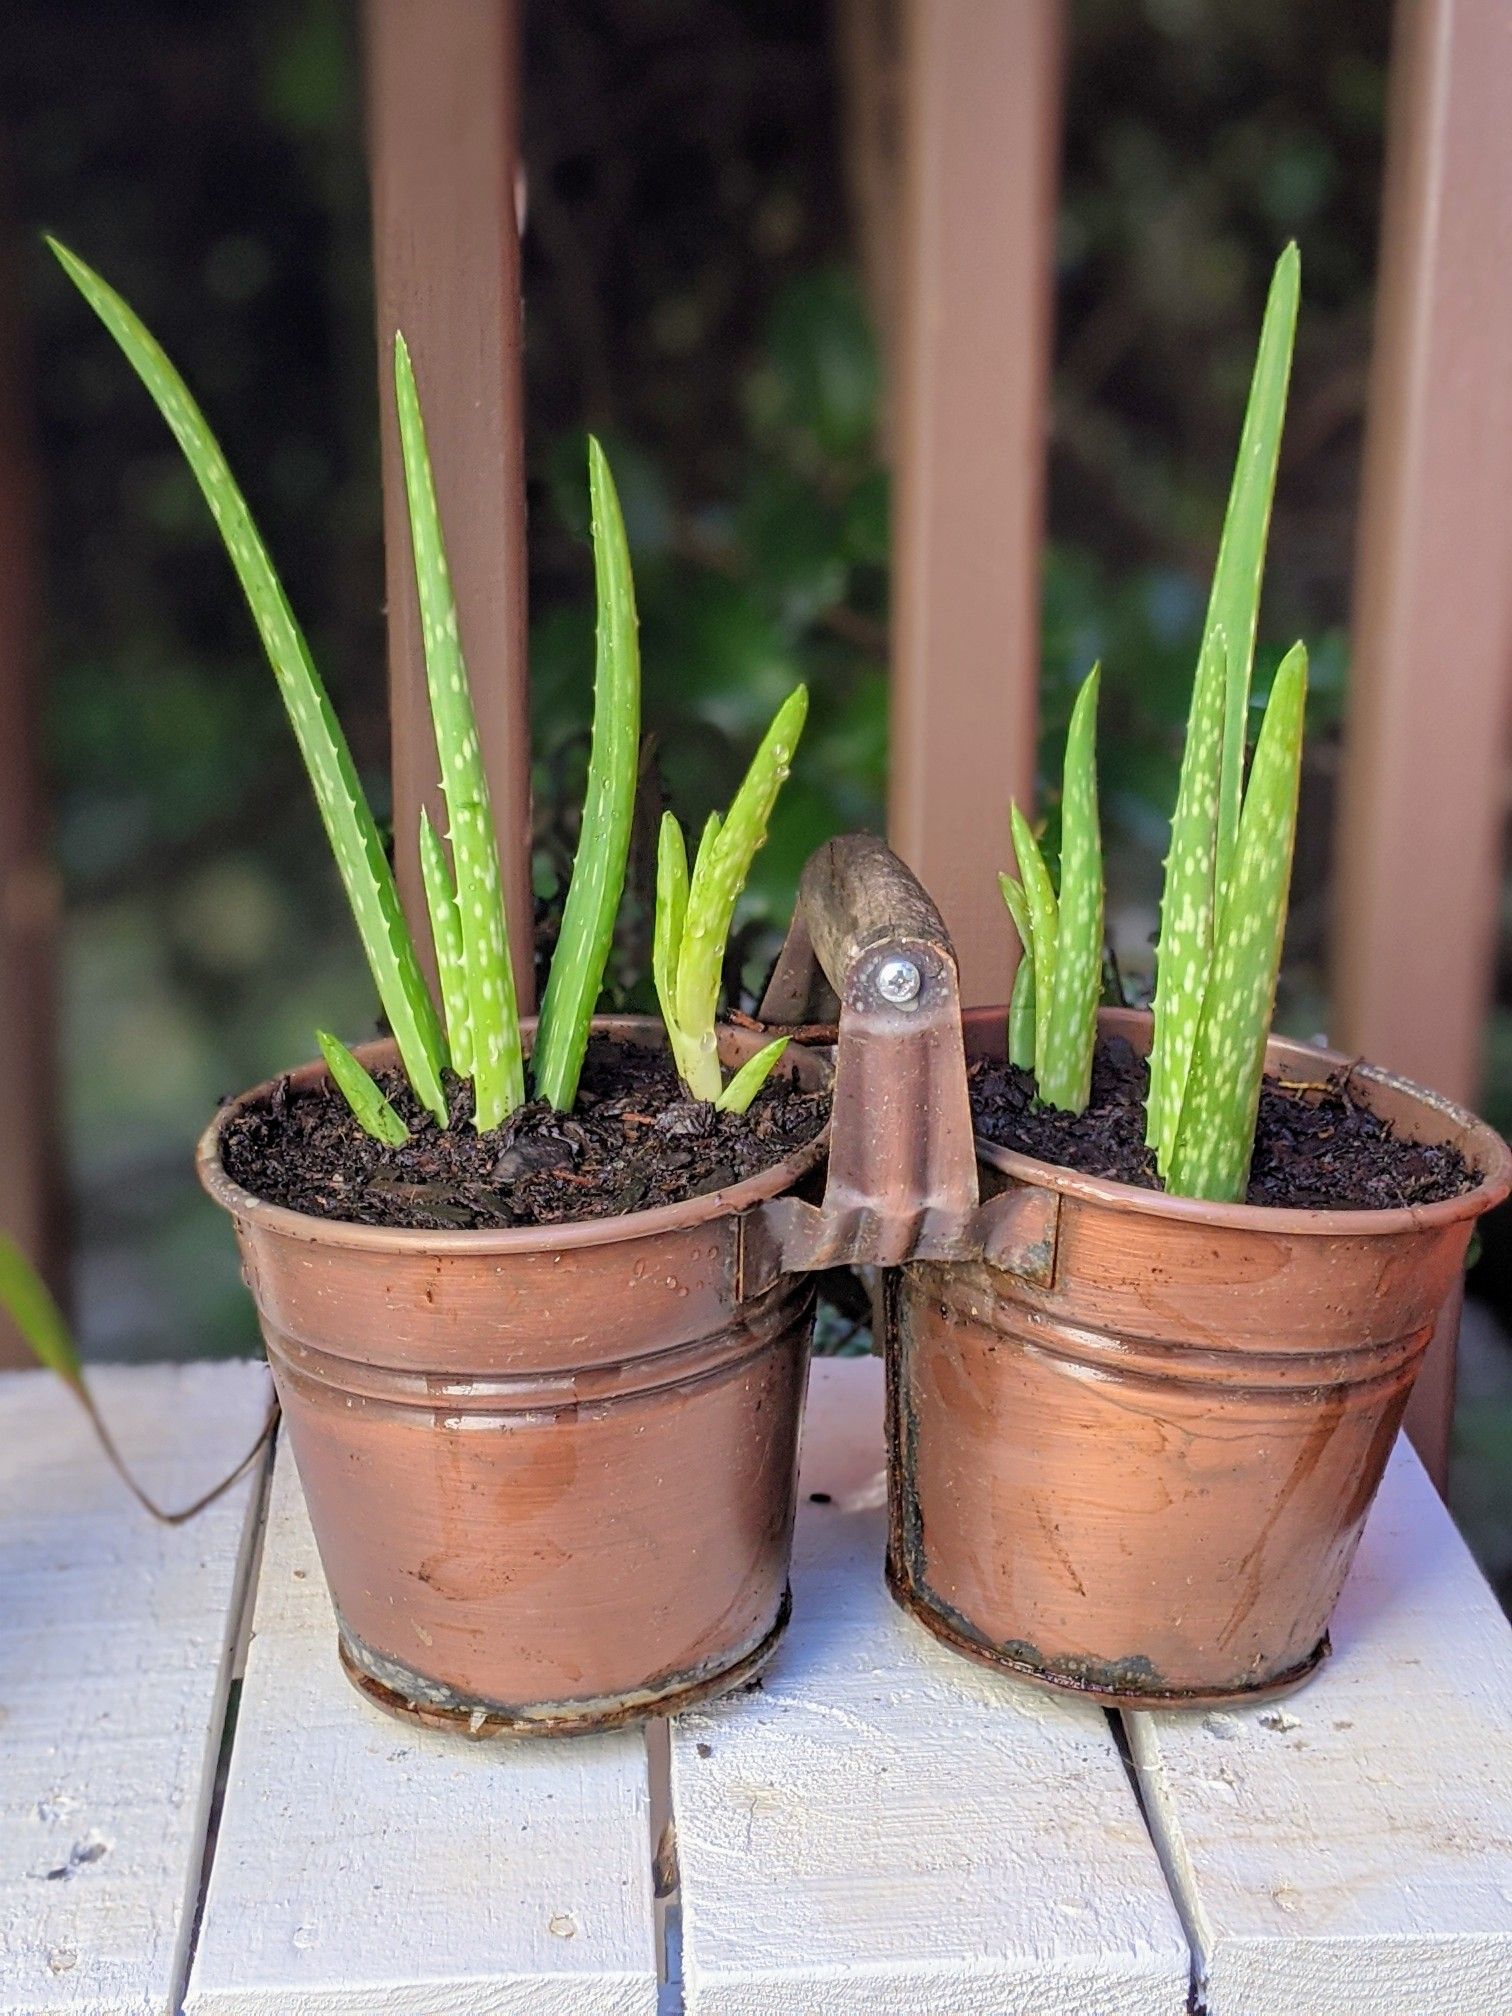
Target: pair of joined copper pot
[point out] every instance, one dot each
(1134, 1459)
(551, 1471)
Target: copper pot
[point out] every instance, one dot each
(550, 1471)
(1135, 1461)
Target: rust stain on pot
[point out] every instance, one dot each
(550, 1471)
(1143, 1476)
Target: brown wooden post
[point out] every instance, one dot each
(31, 1191)
(1423, 791)
(442, 81)
(981, 125)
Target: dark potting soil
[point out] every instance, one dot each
(1317, 1147)
(633, 1140)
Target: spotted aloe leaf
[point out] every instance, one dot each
(1188, 903)
(725, 854)
(1234, 604)
(1039, 900)
(344, 811)
(752, 1075)
(446, 936)
(1063, 1063)
(1021, 1005)
(598, 872)
(1215, 1135)
(373, 1113)
(492, 1013)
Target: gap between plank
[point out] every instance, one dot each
(666, 1878)
(1139, 1747)
(221, 1734)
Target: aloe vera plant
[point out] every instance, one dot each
(694, 913)
(1228, 873)
(464, 896)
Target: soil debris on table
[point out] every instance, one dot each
(1317, 1146)
(634, 1140)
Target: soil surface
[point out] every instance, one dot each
(634, 1140)
(1317, 1148)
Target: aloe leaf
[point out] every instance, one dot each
(27, 1300)
(749, 1079)
(446, 936)
(667, 929)
(1021, 1004)
(598, 872)
(1234, 604)
(719, 874)
(349, 824)
(1021, 1013)
(372, 1112)
(1039, 897)
(1215, 1135)
(1188, 903)
(1063, 1065)
(493, 1018)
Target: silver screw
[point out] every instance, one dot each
(898, 981)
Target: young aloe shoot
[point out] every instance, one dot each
(694, 914)
(464, 895)
(1052, 1021)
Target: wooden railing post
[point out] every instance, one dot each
(31, 1190)
(1424, 784)
(981, 126)
(442, 80)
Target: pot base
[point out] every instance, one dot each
(1108, 1693)
(411, 1698)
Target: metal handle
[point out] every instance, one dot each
(902, 1179)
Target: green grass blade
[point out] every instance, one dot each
(752, 1075)
(344, 811)
(27, 1300)
(1063, 1067)
(1215, 1136)
(446, 936)
(1234, 604)
(493, 1018)
(598, 872)
(719, 874)
(373, 1113)
(1039, 897)
(1188, 903)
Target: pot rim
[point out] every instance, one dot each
(1482, 1147)
(514, 1239)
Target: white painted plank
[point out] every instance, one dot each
(115, 1635)
(884, 1829)
(363, 1868)
(1348, 1852)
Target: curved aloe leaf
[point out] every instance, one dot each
(492, 1014)
(1234, 604)
(598, 872)
(752, 1075)
(667, 931)
(1188, 902)
(1215, 1136)
(446, 936)
(372, 1112)
(1063, 1064)
(719, 874)
(27, 1300)
(1039, 898)
(344, 811)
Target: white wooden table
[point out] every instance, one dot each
(197, 1813)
